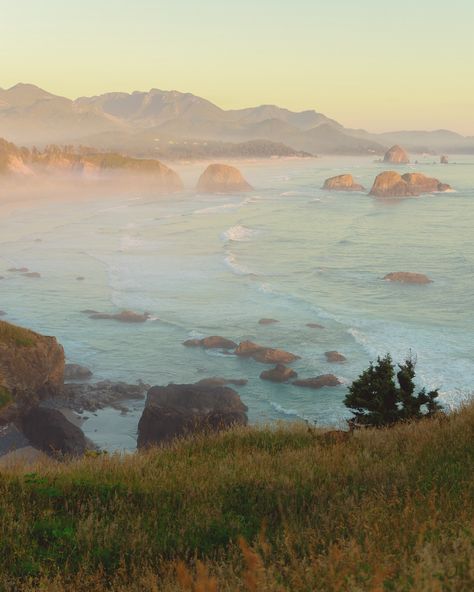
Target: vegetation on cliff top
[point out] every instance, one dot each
(14, 335)
(251, 509)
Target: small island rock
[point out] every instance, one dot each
(396, 155)
(407, 277)
(335, 357)
(222, 178)
(392, 184)
(342, 183)
(278, 374)
(318, 381)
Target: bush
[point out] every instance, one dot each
(376, 400)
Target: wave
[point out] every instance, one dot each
(217, 209)
(238, 233)
(236, 267)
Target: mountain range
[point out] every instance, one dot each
(172, 124)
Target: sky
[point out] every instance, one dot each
(373, 64)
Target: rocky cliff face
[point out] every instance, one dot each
(392, 184)
(342, 183)
(222, 178)
(396, 155)
(31, 369)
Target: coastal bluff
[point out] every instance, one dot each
(222, 178)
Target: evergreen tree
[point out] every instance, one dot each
(375, 399)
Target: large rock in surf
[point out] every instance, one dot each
(318, 382)
(407, 277)
(222, 178)
(178, 410)
(125, 316)
(392, 184)
(212, 342)
(334, 357)
(444, 159)
(76, 372)
(280, 373)
(266, 355)
(48, 430)
(31, 369)
(396, 155)
(342, 183)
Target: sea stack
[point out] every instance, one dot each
(222, 178)
(392, 184)
(396, 155)
(342, 183)
(444, 159)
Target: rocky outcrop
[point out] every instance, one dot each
(334, 357)
(407, 277)
(125, 316)
(342, 183)
(76, 372)
(106, 393)
(280, 373)
(318, 382)
(265, 355)
(31, 368)
(179, 410)
(222, 178)
(392, 184)
(396, 155)
(48, 430)
(268, 321)
(444, 159)
(212, 342)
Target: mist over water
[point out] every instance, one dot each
(203, 265)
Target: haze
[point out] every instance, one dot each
(366, 64)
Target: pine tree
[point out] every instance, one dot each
(376, 400)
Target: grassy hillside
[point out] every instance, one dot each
(251, 510)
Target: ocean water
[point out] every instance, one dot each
(203, 265)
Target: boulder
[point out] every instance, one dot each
(444, 159)
(407, 277)
(222, 178)
(76, 372)
(48, 430)
(2, 313)
(342, 183)
(126, 316)
(179, 410)
(278, 374)
(31, 368)
(392, 184)
(267, 321)
(318, 381)
(32, 274)
(19, 269)
(396, 155)
(265, 355)
(212, 342)
(314, 326)
(334, 357)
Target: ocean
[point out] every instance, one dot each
(214, 265)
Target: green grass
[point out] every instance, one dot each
(251, 510)
(5, 397)
(11, 334)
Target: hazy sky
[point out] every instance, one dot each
(368, 63)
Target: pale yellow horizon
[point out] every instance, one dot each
(365, 66)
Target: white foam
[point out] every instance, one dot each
(238, 233)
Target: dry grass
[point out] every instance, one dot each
(11, 334)
(251, 510)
